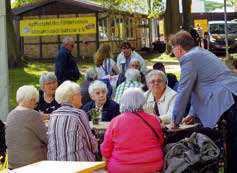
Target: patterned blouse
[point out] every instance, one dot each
(70, 136)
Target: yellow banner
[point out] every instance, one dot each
(58, 26)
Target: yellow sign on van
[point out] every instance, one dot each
(58, 26)
(203, 24)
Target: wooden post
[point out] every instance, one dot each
(97, 30)
(78, 42)
(59, 45)
(40, 39)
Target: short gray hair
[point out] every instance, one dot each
(65, 91)
(25, 93)
(45, 77)
(155, 73)
(91, 74)
(97, 85)
(66, 40)
(132, 74)
(135, 60)
(132, 100)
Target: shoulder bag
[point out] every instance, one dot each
(147, 124)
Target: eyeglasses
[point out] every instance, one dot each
(50, 83)
(159, 81)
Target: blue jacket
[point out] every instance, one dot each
(65, 67)
(210, 84)
(110, 109)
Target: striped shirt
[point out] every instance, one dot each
(125, 85)
(70, 136)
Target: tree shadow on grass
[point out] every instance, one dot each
(22, 76)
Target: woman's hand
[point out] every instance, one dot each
(188, 120)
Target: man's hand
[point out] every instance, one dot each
(188, 120)
(174, 126)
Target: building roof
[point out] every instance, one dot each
(92, 7)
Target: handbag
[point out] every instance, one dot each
(157, 136)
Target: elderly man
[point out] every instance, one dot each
(65, 67)
(126, 56)
(134, 64)
(133, 79)
(212, 88)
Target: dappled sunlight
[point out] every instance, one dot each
(160, 57)
(39, 68)
(30, 74)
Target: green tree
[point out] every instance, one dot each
(19, 3)
(211, 6)
(13, 49)
(187, 16)
(172, 20)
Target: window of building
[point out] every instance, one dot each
(103, 30)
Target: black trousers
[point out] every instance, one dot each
(231, 137)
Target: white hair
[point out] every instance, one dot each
(132, 74)
(91, 74)
(25, 93)
(152, 73)
(45, 77)
(97, 85)
(66, 40)
(65, 91)
(132, 100)
(135, 60)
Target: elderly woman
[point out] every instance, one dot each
(69, 133)
(160, 98)
(26, 136)
(108, 107)
(91, 75)
(105, 65)
(133, 142)
(48, 84)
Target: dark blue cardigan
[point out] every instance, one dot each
(110, 109)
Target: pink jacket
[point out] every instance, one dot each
(131, 146)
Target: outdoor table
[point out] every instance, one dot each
(44, 117)
(174, 135)
(99, 129)
(60, 167)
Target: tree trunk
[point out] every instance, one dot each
(150, 23)
(13, 50)
(187, 17)
(171, 21)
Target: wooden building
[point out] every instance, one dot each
(111, 27)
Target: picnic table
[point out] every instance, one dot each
(60, 167)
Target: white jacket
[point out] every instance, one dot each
(165, 104)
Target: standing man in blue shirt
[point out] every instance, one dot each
(212, 88)
(65, 67)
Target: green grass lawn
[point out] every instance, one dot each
(30, 74)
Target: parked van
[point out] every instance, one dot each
(216, 35)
